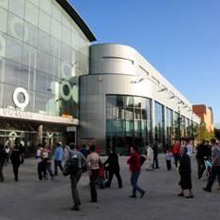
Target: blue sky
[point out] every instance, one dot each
(181, 38)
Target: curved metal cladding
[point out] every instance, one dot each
(121, 70)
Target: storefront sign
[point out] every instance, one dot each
(14, 113)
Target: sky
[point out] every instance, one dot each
(180, 38)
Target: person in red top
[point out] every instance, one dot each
(134, 162)
(176, 152)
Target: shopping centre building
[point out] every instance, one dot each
(56, 86)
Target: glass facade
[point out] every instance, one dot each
(159, 124)
(42, 51)
(169, 126)
(128, 122)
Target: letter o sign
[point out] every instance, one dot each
(67, 96)
(22, 91)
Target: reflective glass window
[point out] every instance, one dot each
(56, 11)
(14, 49)
(43, 41)
(56, 29)
(44, 22)
(2, 45)
(35, 2)
(43, 62)
(17, 7)
(31, 33)
(55, 47)
(15, 27)
(29, 57)
(4, 3)
(31, 14)
(3, 19)
(45, 5)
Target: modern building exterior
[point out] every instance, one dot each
(56, 86)
(44, 48)
(206, 115)
(125, 101)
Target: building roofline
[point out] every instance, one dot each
(76, 17)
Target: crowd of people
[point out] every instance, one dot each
(71, 161)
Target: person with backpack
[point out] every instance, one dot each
(74, 167)
(134, 162)
(113, 168)
(94, 161)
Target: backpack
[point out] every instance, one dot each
(142, 159)
(72, 165)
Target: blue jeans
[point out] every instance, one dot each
(134, 180)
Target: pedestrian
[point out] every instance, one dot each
(155, 162)
(75, 173)
(134, 162)
(185, 173)
(3, 157)
(40, 165)
(168, 157)
(48, 161)
(16, 159)
(150, 158)
(189, 146)
(85, 151)
(66, 153)
(113, 168)
(58, 157)
(200, 157)
(176, 152)
(94, 161)
(7, 151)
(215, 170)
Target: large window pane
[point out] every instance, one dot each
(17, 7)
(4, 3)
(44, 41)
(3, 20)
(44, 22)
(31, 14)
(14, 49)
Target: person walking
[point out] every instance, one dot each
(3, 157)
(93, 160)
(155, 162)
(7, 151)
(134, 162)
(200, 157)
(215, 170)
(176, 152)
(75, 174)
(168, 158)
(16, 159)
(185, 173)
(40, 165)
(47, 160)
(113, 168)
(150, 158)
(58, 157)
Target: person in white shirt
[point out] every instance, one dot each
(93, 162)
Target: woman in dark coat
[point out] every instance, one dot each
(185, 173)
(113, 169)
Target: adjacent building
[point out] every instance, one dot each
(206, 115)
(56, 86)
(125, 101)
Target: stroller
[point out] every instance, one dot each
(208, 166)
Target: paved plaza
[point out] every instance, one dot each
(29, 199)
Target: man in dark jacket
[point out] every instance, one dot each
(155, 162)
(113, 168)
(201, 153)
(17, 158)
(3, 157)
